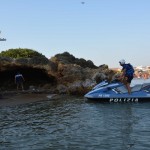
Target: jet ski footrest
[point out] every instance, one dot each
(116, 91)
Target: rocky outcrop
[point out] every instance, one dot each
(62, 73)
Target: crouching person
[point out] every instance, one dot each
(19, 79)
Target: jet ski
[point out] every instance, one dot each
(116, 91)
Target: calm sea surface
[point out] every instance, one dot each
(71, 123)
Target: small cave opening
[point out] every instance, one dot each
(33, 77)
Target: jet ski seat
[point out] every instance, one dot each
(123, 89)
(137, 87)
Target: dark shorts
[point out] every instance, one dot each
(129, 79)
(19, 80)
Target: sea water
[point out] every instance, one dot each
(72, 123)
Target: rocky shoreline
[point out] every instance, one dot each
(12, 98)
(61, 74)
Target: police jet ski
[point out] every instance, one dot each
(117, 92)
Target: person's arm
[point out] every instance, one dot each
(123, 72)
(122, 76)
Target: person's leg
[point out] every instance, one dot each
(127, 84)
(128, 88)
(22, 87)
(129, 79)
(17, 86)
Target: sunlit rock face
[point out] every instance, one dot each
(62, 73)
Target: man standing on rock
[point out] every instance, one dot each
(19, 79)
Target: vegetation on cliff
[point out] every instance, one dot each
(20, 53)
(24, 56)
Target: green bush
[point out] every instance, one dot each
(20, 53)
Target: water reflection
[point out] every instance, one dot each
(71, 123)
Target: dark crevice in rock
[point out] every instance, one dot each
(33, 76)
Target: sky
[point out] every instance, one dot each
(103, 31)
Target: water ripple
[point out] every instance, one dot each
(71, 123)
